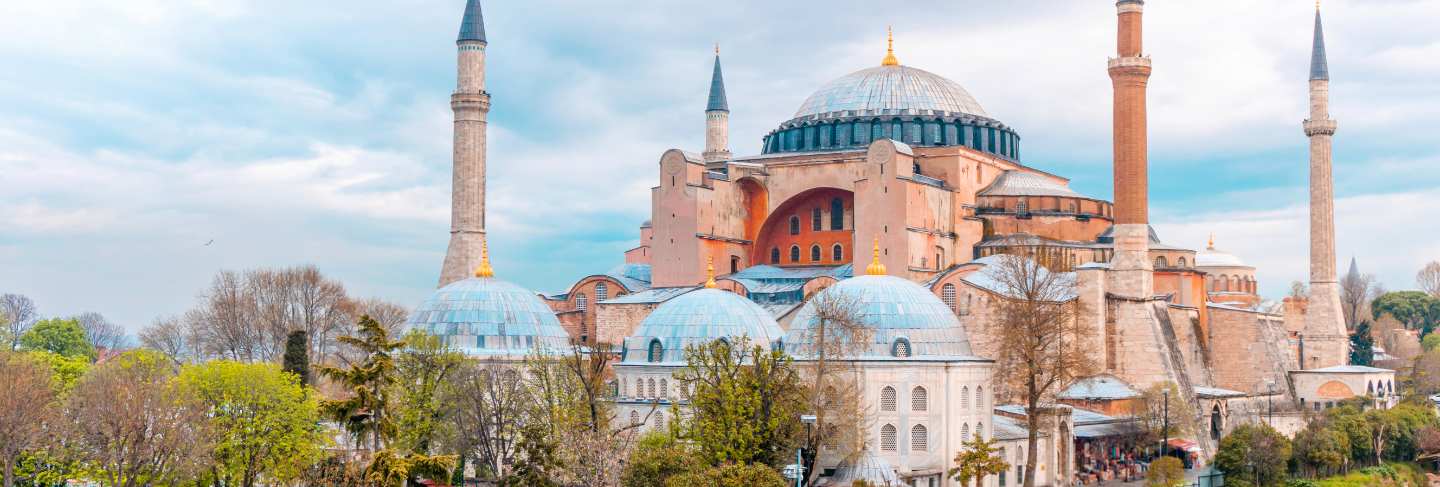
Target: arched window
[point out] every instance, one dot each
(1181, 263)
(734, 264)
(582, 302)
(1021, 206)
(660, 419)
(656, 352)
(1224, 284)
(965, 430)
(775, 255)
(634, 417)
(980, 430)
(887, 438)
(794, 225)
(794, 253)
(602, 292)
(1161, 263)
(901, 348)
(919, 438)
(817, 219)
(624, 387)
(664, 389)
(814, 253)
(965, 397)
(919, 399)
(837, 253)
(837, 214)
(639, 388)
(887, 399)
(650, 384)
(947, 294)
(1370, 388)
(980, 397)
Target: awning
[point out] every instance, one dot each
(1184, 445)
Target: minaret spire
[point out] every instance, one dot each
(717, 117)
(1326, 340)
(470, 104)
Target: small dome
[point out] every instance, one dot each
(886, 90)
(905, 319)
(1209, 257)
(699, 317)
(488, 317)
(865, 466)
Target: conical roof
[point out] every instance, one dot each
(472, 26)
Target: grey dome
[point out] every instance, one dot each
(699, 317)
(889, 90)
(895, 310)
(489, 317)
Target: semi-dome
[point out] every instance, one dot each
(488, 317)
(699, 317)
(890, 90)
(903, 318)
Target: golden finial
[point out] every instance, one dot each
(889, 48)
(710, 273)
(717, 48)
(484, 270)
(876, 268)
(1211, 245)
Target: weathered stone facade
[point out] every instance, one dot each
(471, 105)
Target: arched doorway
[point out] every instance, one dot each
(1217, 425)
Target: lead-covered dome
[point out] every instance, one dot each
(903, 318)
(489, 317)
(885, 90)
(699, 317)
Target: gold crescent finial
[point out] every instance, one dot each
(876, 268)
(717, 48)
(484, 270)
(1211, 245)
(889, 48)
(710, 273)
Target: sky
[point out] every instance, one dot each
(147, 144)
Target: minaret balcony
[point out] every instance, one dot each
(1320, 127)
(1139, 65)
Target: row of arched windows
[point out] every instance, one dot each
(1380, 388)
(919, 438)
(860, 133)
(1162, 263)
(979, 397)
(837, 253)
(648, 388)
(1229, 283)
(817, 218)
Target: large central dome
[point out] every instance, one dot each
(890, 90)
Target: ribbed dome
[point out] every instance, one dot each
(873, 91)
(896, 310)
(699, 317)
(865, 466)
(485, 316)
(1216, 258)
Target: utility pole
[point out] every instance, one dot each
(1165, 422)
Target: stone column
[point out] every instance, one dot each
(1326, 340)
(470, 105)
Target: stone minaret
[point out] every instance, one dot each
(717, 117)
(1325, 338)
(1130, 72)
(470, 104)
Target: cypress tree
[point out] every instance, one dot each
(297, 356)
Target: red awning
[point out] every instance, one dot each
(1184, 445)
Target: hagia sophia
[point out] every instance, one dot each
(741, 247)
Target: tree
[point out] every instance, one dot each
(1039, 340)
(976, 460)
(172, 337)
(1158, 417)
(27, 408)
(17, 313)
(657, 457)
(128, 422)
(100, 332)
(263, 420)
(827, 346)
(1429, 279)
(538, 464)
(1320, 450)
(1362, 345)
(424, 367)
(1298, 289)
(488, 404)
(65, 371)
(729, 475)
(248, 315)
(64, 337)
(1417, 310)
(745, 405)
(1166, 472)
(1356, 292)
(297, 356)
(1254, 452)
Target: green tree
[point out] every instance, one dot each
(1320, 450)
(656, 458)
(424, 367)
(1417, 310)
(537, 465)
(66, 370)
(297, 356)
(729, 475)
(976, 460)
(1165, 472)
(746, 403)
(1430, 342)
(64, 337)
(1362, 345)
(264, 422)
(1254, 453)
(1151, 408)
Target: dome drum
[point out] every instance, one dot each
(858, 132)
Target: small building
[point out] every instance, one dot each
(1320, 389)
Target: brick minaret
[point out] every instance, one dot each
(470, 104)
(1129, 73)
(1326, 341)
(717, 117)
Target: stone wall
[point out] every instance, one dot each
(1249, 350)
(614, 322)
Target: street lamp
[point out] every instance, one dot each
(1165, 422)
(809, 420)
(1269, 403)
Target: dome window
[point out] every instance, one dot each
(602, 292)
(657, 351)
(901, 348)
